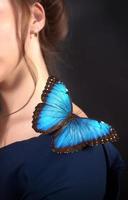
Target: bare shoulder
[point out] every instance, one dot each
(77, 110)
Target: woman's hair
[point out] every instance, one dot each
(54, 31)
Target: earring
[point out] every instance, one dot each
(33, 33)
(36, 34)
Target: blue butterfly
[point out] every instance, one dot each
(69, 132)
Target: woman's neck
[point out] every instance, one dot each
(14, 93)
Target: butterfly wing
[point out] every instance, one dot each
(80, 133)
(55, 107)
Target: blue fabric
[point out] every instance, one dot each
(29, 170)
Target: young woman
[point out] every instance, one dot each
(29, 170)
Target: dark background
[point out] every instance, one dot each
(94, 65)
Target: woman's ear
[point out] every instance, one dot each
(38, 19)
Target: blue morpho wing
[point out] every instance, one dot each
(55, 108)
(80, 133)
(72, 134)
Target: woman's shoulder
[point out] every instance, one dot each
(113, 154)
(114, 157)
(78, 110)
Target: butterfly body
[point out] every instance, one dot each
(69, 132)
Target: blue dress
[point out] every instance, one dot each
(29, 170)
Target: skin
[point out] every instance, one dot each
(16, 83)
